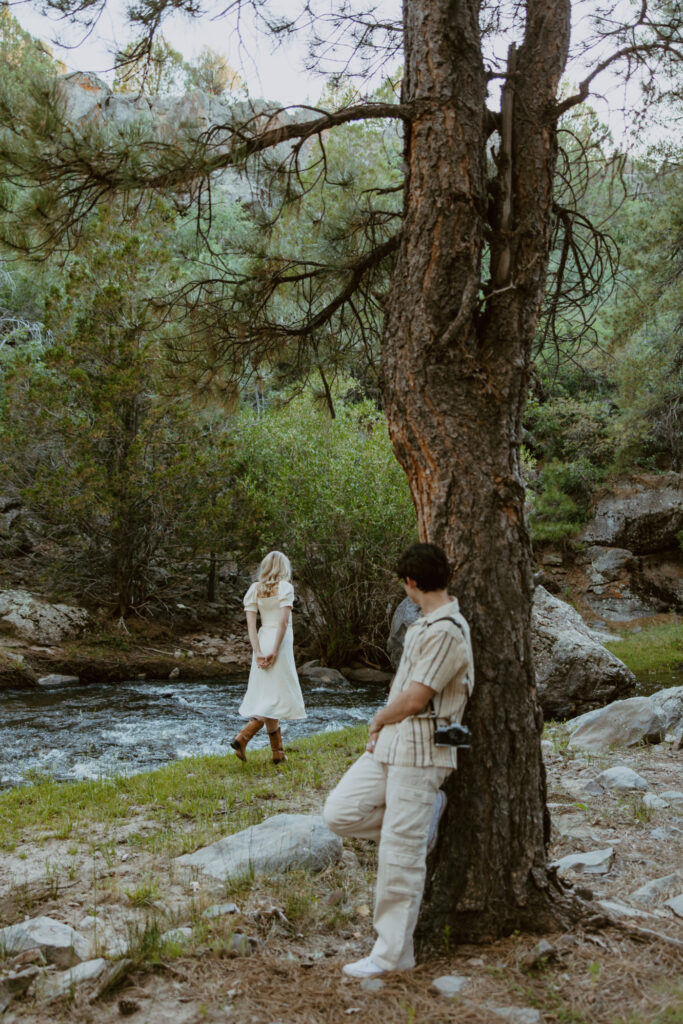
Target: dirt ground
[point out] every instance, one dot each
(307, 927)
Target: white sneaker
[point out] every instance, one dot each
(365, 968)
(439, 807)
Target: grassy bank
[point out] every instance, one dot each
(657, 650)
(185, 803)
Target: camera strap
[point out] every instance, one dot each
(447, 618)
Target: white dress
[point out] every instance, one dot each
(273, 692)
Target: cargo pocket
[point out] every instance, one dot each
(411, 818)
(401, 871)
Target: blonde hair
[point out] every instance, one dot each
(274, 567)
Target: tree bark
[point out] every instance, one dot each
(456, 357)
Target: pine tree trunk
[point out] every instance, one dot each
(455, 365)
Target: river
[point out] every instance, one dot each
(87, 732)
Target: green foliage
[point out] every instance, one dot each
(554, 515)
(101, 454)
(329, 493)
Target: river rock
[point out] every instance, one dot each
(64, 983)
(37, 620)
(56, 680)
(594, 862)
(625, 723)
(15, 674)
(621, 778)
(369, 676)
(676, 905)
(61, 944)
(518, 1014)
(279, 843)
(322, 674)
(669, 704)
(657, 889)
(404, 616)
(574, 672)
(449, 985)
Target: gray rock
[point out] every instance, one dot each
(177, 935)
(61, 944)
(624, 723)
(322, 674)
(220, 910)
(620, 909)
(657, 889)
(659, 834)
(654, 802)
(369, 676)
(574, 673)
(449, 985)
(63, 984)
(518, 1014)
(674, 796)
(15, 674)
(57, 680)
(676, 905)
(621, 778)
(280, 843)
(611, 562)
(642, 514)
(36, 620)
(623, 605)
(669, 704)
(242, 945)
(16, 984)
(594, 862)
(404, 616)
(372, 984)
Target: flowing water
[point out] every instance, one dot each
(87, 732)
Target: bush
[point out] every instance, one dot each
(554, 514)
(330, 493)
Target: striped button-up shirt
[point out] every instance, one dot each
(437, 652)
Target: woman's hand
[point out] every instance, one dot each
(267, 660)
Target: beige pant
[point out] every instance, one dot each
(392, 805)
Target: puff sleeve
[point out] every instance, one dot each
(250, 600)
(285, 594)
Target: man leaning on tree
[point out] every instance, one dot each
(392, 793)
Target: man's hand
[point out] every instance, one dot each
(374, 733)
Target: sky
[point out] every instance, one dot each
(273, 73)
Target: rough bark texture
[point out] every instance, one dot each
(456, 355)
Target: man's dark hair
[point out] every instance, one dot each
(427, 565)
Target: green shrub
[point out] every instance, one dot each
(330, 493)
(554, 514)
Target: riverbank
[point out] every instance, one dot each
(99, 857)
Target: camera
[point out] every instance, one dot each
(454, 735)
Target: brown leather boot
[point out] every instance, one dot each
(275, 738)
(239, 744)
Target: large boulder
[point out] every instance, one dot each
(642, 514)
(280, 843)
(574, 672)
(669, 704)
(34, 619)
(625, 723)
(404, 616)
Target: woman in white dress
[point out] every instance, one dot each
(273, 691)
